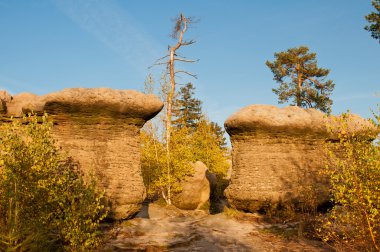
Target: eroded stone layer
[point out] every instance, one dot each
(99, 128)
(278, 154)
(110, 149)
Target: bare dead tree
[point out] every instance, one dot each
(180, 27)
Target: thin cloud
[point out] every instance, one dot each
(113, 27)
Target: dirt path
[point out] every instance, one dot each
(169, 229)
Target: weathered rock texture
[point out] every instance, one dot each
(5, 97)
(99, 128)
(195, 189)
(277, 154)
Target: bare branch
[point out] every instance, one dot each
(185, 60)
(159, 63)
(157, 60)
(185, 72)
(179, 55)
(181, 23)
(186, 43)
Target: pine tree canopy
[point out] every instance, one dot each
(301, 80)
(187, 110)
(374, 19)
(187, 113)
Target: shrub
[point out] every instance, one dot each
(45, 204)
(354, 172)
(186, 146)
(155, 162)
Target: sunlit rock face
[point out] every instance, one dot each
(277, 154)
(195, 189)
(99, 128)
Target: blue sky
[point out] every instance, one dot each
(48, 45)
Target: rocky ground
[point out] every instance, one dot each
(159, 228)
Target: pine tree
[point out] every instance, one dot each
(187, 110)
(301, 79)
(188, 113)
(374, 19)
(219, 135)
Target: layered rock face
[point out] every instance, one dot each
(277, 154)
(99, 128)
(195, 189)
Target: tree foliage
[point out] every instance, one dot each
(187, 110)
(208, 148)
(301, 80)
(354, 172)
(154, 162)
(374, 19)
(218, 133)
(189, 142)
(187, 146)
(188, 113)
(45, 204)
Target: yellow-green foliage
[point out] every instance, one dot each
(154, 161)
(206, 148)
(45, 205)
(354, 172)
(186, 146)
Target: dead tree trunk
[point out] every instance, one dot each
(180, 27)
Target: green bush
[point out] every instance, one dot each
(354, 172)
(45, 204)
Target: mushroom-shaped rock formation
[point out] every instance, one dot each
(277, 154)
(99, 128)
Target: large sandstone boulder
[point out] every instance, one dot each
(277, 154)
(195, 189)
(99, 128)
(18, 102)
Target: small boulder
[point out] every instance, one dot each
(195, 189)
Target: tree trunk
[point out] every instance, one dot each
(299, 85)
(181, 27)
(169, 120)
